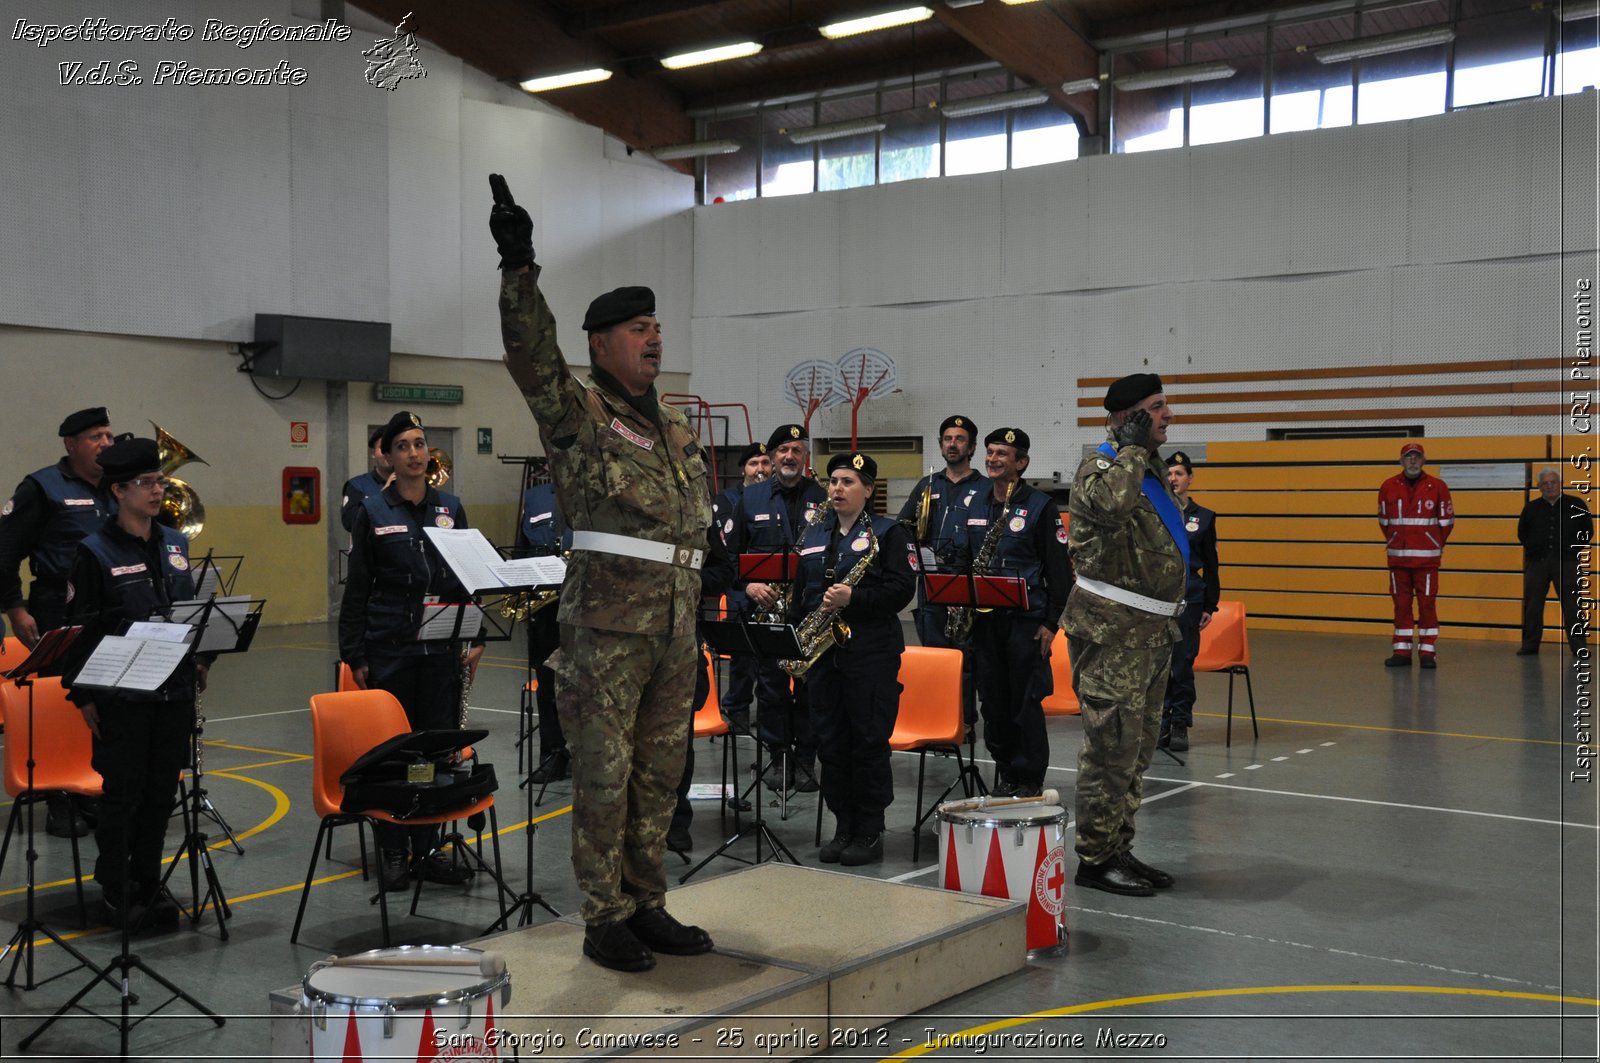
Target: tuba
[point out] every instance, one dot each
(822, 629)
(181, 508)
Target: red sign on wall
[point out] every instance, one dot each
(299, 434)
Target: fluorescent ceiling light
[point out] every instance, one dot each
(742, 50)
(1383, 45)
(887, 20)
(696, 150)
(1002, 101)
(1081, 85)
(962, 3)
(562, 81)
(1174, 75)
(836, 130)
(1572, 12)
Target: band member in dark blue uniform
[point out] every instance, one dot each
(48, 515)
(393, 568)
(774, 514)
(543, 533)
(133, 569)
(358, 488)
(1201, 595)
(755, 465)
(1011, 647)
(859, 569)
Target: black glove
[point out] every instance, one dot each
(1134, 431)
(511, 226)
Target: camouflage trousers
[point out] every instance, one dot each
(1121, 689)
(624, 702)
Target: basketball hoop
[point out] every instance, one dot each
(864, 373)
(813, 385)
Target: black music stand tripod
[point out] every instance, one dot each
(124, 963)
(771, 642)
(39, 664)
(209, 581)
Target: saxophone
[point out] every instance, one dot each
(958, 621)
(822, 629)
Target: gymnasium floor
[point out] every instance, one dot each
(1397, 869)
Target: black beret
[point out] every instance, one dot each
(1015, 438)
(127, 458)
(619, 305)
(754, 450)
(1125, 393)
(404, 421)
(1178, 457)
(957, 421)
(375, 435)
(786, 433)
(83, 420)
(863, 464)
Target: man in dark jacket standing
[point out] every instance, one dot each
(1552, 529)
(1200, 597)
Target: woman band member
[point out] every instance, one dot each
(860, 568)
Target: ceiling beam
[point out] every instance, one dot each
(527, 41)
(629, 13)
(1036, 43)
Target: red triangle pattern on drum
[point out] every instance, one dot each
(994, 870)
(428, 1047)
(1041, 924)
(352, 1041)
(952, 870)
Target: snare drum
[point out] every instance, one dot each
(1017, 852)
(404, 1005)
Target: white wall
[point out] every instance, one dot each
(184, 211)
(1440, 239)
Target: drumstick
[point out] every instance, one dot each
(1048, 797)
(490, 964)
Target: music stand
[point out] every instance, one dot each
(769, 642)
(983, 594)
(125, 962)
(46, 659)
(222, 625)
(210, 580)
(778, 566)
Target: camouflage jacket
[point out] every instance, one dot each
(1117, 537)
(614, 471)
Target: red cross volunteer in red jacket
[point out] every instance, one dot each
(1416, 515)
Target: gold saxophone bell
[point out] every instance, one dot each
(439, 467)
(181, 508)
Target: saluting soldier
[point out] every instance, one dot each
(1201, 593)
(1011, 648)
(543, 533)
(394, 567)
(1130, 552)
(755, 465)
(861, 568)
(632, 480)
(47, 516)
(773, 515)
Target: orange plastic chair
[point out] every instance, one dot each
(15, 654)
(62, 747)
(344, 725)
(347, 679)
(1064, 702)
(1225, 647)
(709, 723)
(931, 720)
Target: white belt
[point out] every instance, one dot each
(1127, 597)
(600, 542)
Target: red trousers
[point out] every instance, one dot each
(1423, 631)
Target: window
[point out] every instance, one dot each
(1148, 119)
(1578, 56)
(1499, 52)
(787, 169)
(731, 177)
(1305, 93)
(909, 146)
(848, 162)
(1407, 84)
(1042, 134)
(1234, 108)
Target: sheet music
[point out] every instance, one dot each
(439, 621)
(126, 663)
(158, 631)
(222, 630)
(210, 581)
(480, 567)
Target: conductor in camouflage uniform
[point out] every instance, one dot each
(1130, 554)
(631, 477)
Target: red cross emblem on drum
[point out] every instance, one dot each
(1009, 850)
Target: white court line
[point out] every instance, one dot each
(1401, 804)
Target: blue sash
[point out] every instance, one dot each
(1157, 493)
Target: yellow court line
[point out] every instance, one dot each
(1398, 730)
(258, 749)
(954, 1040)
(260, 764)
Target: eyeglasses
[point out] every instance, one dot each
(143, 482)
